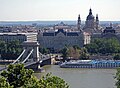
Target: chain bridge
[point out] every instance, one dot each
(30, 56)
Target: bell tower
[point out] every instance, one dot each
(79, 23)
(97, 21)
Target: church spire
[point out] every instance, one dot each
(97, 21)
(79, 22)
(90, 11)
(79, 17)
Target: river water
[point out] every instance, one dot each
(83, 78)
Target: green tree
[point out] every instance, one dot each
(116, 57)
(17, 76)
(10, 50)
(32, 83)
(84, 54)
(92, 48)
(64, 52)
(74, 52)
(3, 47)
(104, 46)
(118, 78)
(4, 83)
(50, 81)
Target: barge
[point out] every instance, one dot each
(91, 64)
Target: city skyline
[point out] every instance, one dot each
(51, 10)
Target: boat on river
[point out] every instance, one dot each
(91, 64)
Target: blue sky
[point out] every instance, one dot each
(32, 10)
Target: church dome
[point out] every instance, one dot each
(90, 16)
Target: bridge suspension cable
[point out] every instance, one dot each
(19, 56)
(28, 56)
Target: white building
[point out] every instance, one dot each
(7, 37)
(87, 38)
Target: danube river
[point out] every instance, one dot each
(83, 78)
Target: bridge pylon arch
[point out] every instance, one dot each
(34, 45)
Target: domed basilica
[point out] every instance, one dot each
(91, 24)
(61, 35)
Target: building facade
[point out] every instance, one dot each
(62, 35)
(8, 37)
(108, 32)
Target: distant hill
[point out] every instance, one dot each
(44, 23)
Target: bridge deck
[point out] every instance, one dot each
(3, 68)
(28, 63)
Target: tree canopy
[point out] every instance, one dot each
(10, 50)
(103, 46)
(49, 81)
(75, 52)
(116, 57)
(17, 76)
(118, 78)
(4, 83)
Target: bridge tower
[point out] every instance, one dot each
(31, 47)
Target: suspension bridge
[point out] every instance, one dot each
(30, 56)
